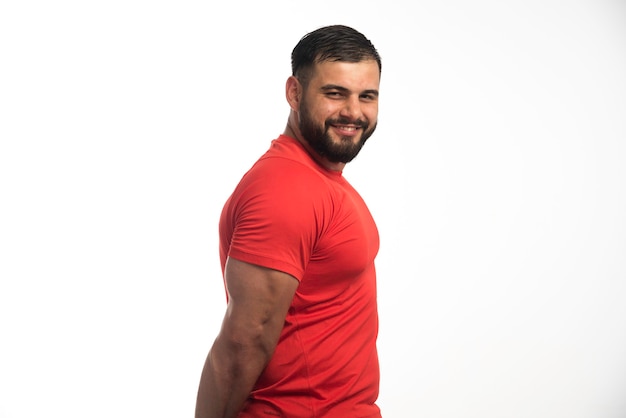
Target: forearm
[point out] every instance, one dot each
(229, 374)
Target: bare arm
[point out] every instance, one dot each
(258, 302)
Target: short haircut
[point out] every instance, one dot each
(330, 43)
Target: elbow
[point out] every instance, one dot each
(251, 345)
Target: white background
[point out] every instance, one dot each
(497, 177)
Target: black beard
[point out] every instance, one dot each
(321, 142)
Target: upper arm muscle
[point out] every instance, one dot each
(259, 299)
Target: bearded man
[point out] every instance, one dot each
(297, 249)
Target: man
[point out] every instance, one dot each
(297, 247)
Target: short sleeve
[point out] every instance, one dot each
(274, 216)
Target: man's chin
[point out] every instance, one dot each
(344, 154)
(347, 139)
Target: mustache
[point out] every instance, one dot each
(345, 121)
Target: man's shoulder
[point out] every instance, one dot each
(284, 171)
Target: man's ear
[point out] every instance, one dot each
(293, 92)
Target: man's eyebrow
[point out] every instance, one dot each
(329, 87)
(371, 91)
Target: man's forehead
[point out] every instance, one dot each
(365, 74)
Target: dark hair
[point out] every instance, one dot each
(330, 43)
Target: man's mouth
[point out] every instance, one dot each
(347, 131)
(350, 128)
(346, 127)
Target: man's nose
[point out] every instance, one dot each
(352, 109)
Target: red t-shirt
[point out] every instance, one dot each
(290, 214)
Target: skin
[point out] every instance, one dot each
(259, 298)
(337, 90)
(257, 306)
